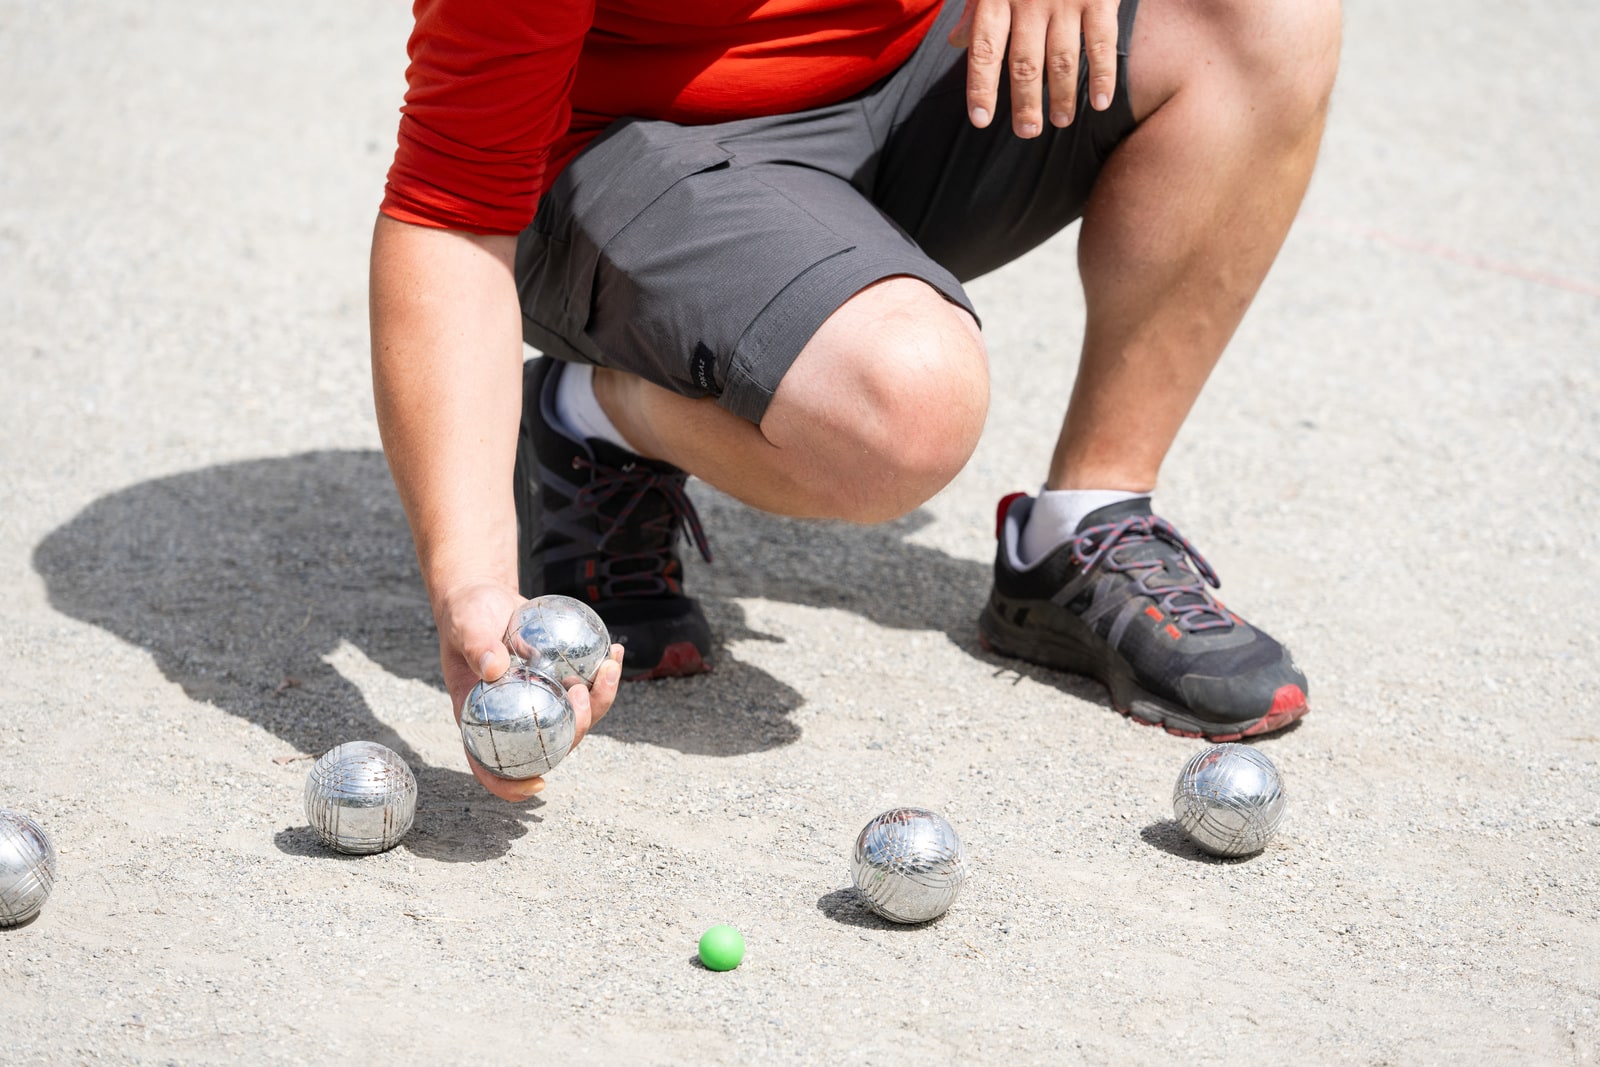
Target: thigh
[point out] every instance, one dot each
(702, 259)
(976, 199)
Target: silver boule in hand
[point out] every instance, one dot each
(520, 725)
(559, 636)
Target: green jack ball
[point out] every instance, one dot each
(721, 948)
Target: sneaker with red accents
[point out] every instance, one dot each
(602, 524)
(1126, 601)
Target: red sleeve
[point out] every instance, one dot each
(486, 96)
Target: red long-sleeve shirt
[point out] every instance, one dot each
(502, 94)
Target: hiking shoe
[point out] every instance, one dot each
(601, 524)
(1125, 601)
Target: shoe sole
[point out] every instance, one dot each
(1128, 697)
(679, 660)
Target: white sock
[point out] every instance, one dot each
(1056, 514)
(579, 409)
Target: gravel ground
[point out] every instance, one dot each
(1396, 470)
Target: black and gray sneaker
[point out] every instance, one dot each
(601, 524)
(1125, 601)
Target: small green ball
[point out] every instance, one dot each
(721, 948)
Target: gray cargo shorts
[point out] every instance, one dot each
(703, 258)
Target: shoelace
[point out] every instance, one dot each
(1200, 612)
(608, 482)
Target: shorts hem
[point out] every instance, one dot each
(773, 341)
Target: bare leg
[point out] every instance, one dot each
(1186, 218)
(879, 411)
(886, 402)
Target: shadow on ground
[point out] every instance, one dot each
(1167, 836)
(849, 908)
(241, 579)
(455, 822)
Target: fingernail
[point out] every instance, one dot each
(980, 116)
(485, 661)
(1101, 101)
(1061, 118)
(1028, 129)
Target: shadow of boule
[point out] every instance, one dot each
(1167, 836)
(849, 908)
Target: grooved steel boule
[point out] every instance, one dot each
(27, 867)
(360, 797)
(1229, 800)
(559, 636)
(520, 725)
(908, 864)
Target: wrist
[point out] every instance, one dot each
(445, 574)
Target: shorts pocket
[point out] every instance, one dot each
(604, 189)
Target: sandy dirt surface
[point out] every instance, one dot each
(207, 579)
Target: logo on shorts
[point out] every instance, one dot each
(703, 369)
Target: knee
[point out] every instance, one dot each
(924, 402)
(1286, 55)
(887, 410)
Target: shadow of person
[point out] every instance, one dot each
(242, 579)
(876, 572)
(871, 571)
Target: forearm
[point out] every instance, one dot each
(446, 359)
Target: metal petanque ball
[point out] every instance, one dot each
(27, 868)
(1229, 800)
(360, 797)
(520, 725)
(559, 636)
(909, 865)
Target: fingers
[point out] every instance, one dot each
(1026, 69)
(1039, 44)
(472, 622)
(604, 691)
(512, 789)
(986, 44)
(590, 705)
(1061, 47)
(491, 660)
(1100, 46)
(472, 647)
(482, 635)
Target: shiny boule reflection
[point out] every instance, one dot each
(520, 725)
(559, 636)
(360, 797)
(908, 864)
(1229, 800)
(27, 867)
